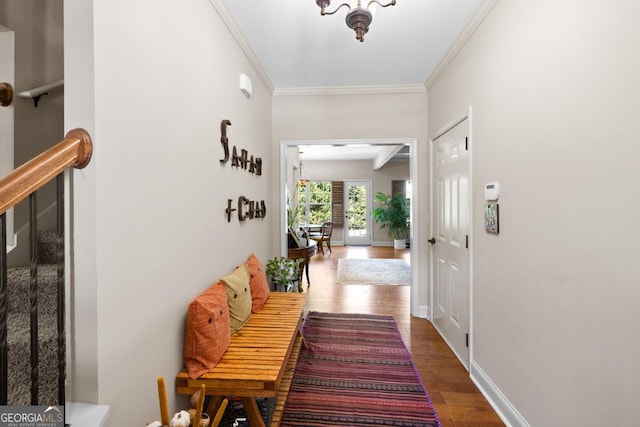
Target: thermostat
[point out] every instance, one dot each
(492, 191)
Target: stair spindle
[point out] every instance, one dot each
(4, 364)
(62, 345)
(33, 307)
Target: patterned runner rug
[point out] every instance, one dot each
(356, 371)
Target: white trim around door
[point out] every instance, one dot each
(418, 269)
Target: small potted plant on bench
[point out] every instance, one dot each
(283, 273)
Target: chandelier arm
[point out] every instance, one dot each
(391, 3)
(324, 12)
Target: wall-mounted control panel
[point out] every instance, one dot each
(492, 191)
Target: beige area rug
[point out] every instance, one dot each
(373, 272)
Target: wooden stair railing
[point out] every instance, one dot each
(74, 151)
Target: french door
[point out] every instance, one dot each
(357, 230)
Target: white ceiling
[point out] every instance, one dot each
(296, 49)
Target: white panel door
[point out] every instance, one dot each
(450, 260)
(7, 42)
(357, 199)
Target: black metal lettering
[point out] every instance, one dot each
(229, 210)
(241, 202)
(263, 209)
(224, 140)
(235, 159)
(244, 158)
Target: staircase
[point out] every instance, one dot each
(16, 343)
(18, 327)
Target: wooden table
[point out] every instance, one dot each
(306, 253)
(260, 356)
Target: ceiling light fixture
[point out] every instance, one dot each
(302, 181)
(359, 17)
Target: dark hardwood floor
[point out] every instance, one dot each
(456, 399)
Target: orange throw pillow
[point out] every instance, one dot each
(207, 333)
(257, 283)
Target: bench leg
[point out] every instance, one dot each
(253, 412)
(214, 404)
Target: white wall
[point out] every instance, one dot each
(38, 58)
(362, 116)
(7, 75)
(39, 61)
(152, 81)
(343, 170)
(554, 90)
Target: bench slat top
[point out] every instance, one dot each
(255, 361)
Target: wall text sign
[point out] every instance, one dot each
(247, 209)
(242, 160)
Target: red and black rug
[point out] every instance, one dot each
(356, 371)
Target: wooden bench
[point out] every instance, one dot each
(259, 361)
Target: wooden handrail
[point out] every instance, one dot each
(75, 150)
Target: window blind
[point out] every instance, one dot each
(337, 203)
(398, 187)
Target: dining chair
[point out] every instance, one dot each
(323, 236)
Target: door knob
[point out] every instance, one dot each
(432, 240)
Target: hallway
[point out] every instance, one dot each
(456, 399)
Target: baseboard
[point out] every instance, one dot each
(505, 410)
(383, 244)
(422, 312)
(85, 414)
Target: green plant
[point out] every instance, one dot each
(294, 214)
(283, 271)
(392, 214)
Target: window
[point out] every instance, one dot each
(315, 196)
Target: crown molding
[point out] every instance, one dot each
(234, 29)
(463, 38)
(349, 90)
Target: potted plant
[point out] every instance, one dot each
(283, 272)
(393, 214)
(293, 215)
(294, 212)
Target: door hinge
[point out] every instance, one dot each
(466, 143)
(467, 340)
(466, 241)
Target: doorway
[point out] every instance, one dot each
(357, 202)
(418, 269)
(450, 255)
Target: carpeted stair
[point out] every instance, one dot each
(18, 335)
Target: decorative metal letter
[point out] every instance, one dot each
(241, 202)
(224, 140)
(229, 210)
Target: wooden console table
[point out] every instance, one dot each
(306, 253)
